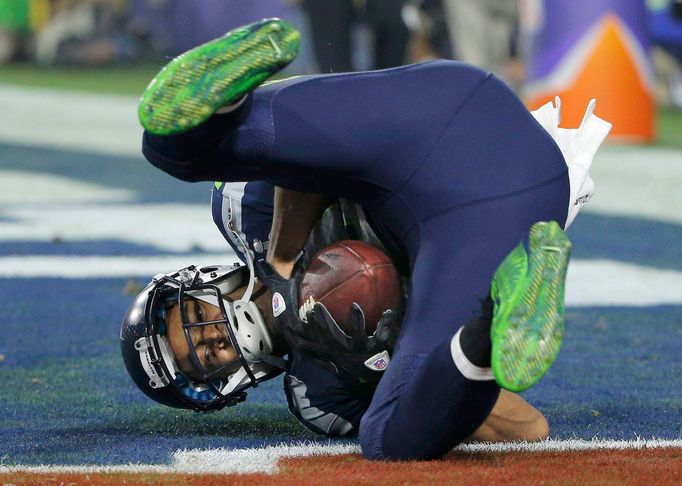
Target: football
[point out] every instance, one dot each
(352, 271)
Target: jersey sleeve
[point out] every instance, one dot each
(245, 208)
(322, 399)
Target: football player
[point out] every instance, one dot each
(195, 339)
(452, 172)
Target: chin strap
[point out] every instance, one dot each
(275, 361)
(245, 301)
(247, 255)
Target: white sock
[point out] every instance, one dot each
(466, 367)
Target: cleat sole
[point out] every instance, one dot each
(528, 316)
(190, 88)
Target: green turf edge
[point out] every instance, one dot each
(128, 79)
(669, 125)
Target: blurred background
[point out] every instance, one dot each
(41, 41)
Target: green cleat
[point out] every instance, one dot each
(190, 88)
(528, 316)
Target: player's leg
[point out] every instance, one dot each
(512, 419)
(357, 124)
(440, 387)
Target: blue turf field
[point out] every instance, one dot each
(65, 397)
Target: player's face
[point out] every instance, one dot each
(211, 342)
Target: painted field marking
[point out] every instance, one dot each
(23, 188)
(589, 282)
(81, 267)
(36, 206)
(264, 460)
(174, 227)
(613, 283)
(638, 182)
(93, 123)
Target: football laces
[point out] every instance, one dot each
(306, 307)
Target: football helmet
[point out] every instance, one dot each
(150, 360)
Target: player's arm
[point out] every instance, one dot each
(512, 419)
(295, 214)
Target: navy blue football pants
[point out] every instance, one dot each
(448, 164)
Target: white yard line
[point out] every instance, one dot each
(638, 182)
(83, 267)
(264, 460)
(613, 283)
(589, 282)
(94, 123)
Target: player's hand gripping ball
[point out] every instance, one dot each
(348, 272)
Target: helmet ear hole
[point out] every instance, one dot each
(253, 335)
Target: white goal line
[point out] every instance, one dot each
(265, 459)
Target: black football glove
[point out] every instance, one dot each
(358, 355)
(285, 306)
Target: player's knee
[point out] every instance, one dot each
(180, 170)
(370, 436)
(377, 445)
(193, 170)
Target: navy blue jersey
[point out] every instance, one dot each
(325, 400)
(248, 206)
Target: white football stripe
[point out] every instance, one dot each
(25, 188)
(80, 267)
(637, 182)
(95, 123)
(252, 460)
(37, 206)
(589, 282)
(612, 283)
(264, 460)
(174, 227)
